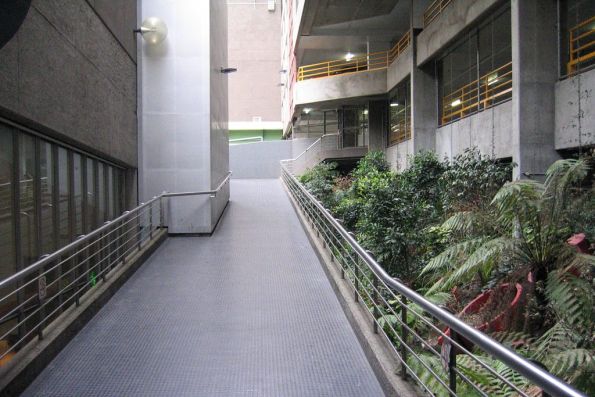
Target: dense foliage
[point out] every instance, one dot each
(455, 229)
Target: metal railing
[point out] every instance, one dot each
(582, 45)
(364, 63)
(252, 139)
(313, 153)
(412, 325)
(434, 10)
(36, 295)
(483, 93)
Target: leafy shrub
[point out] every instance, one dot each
(320, 181)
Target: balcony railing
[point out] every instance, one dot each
(582, 45)
(434, 10)
(400, 132)
(483, 93)
(364, 63)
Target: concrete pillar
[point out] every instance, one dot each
(424, 108)
(535, 72)
(377, 124)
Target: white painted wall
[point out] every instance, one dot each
(184, 110)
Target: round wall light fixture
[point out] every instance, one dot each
(153, 30)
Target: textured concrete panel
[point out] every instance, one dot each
(246, 312)
(340, 87)
(258, 160)
(455, 18)
(490, 131)
(572, 94)
(399, 69)
(73, 78)
(398, 155)
(120, 20)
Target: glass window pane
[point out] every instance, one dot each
(101, 214)
(46, 177)
(7, 247)
(78, 193)
(63, 197)
(91, 196)
(27, 199)
(110, 192)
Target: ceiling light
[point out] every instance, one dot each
(366, 111)
(349, 56)
(493, 78)
(307, 110)
(394, 104)
(455, 103)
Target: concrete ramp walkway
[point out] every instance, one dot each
(246, 312)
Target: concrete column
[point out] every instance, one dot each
(424, 108)
(535, 72)
(377, 124)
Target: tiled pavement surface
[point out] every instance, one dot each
(246, 312)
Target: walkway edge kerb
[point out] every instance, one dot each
(377, 351)
(30, 361)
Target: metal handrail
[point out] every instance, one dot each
(87, 237)
(37, 294)
(434, 10)
(538, 376)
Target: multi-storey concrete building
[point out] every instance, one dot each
(511, 77)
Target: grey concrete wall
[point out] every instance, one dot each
(490, 131)
(399, 69)
(458, 16)
(299, 145)
(575, 111)
(377, 124)
(397, 155)
(258, 160)
(535, 73)
(120, 20)
(219, 139)
(66, 74)
(255, 49)
(340, 87)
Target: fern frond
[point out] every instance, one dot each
(562, 175)
(483, 258)
(460, 222)
(518, 197)
(567, 363)
(558, 338)
(444, 261)
(571, 298)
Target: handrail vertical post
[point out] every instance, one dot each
(452, 365)
(404, 336)
(151, 221)
(376, 299)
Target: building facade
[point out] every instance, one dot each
(513, 78)
(254, 49)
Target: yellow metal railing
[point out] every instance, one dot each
(399, 47)
(434, 10)
(364, 63)
(487, 91)
(582, 45)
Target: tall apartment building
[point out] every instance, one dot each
(254, 28)
(511, 77)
